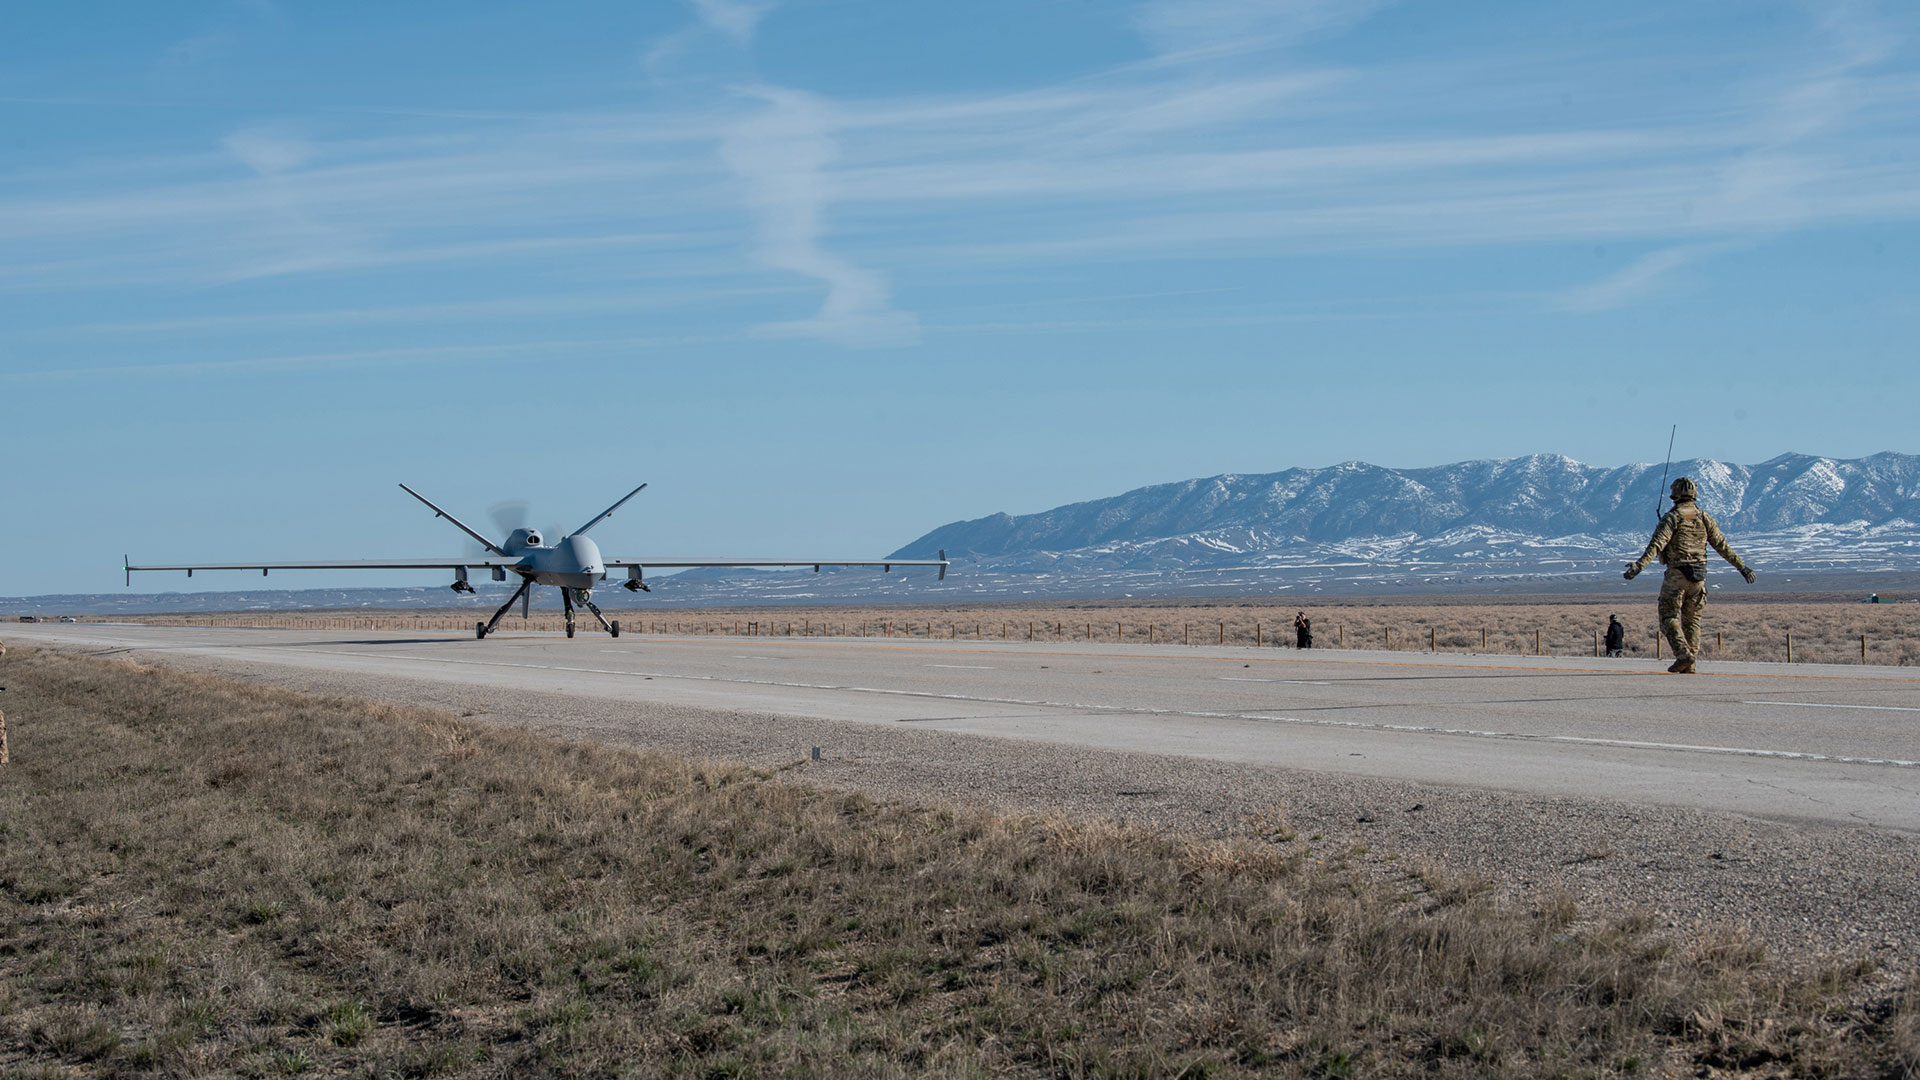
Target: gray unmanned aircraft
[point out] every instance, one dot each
(572, 564)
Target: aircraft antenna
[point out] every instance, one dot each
(1657, 495)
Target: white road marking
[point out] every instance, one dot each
(1296, 682)
(1358, 725)
(1824, 705)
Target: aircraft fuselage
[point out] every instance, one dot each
(573, 563)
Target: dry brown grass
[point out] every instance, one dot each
(207, 878)
(1822, 631)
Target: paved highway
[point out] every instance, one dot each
(1807, 742)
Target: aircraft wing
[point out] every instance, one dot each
(634, 566)
(477, 561)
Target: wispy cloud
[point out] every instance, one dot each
(268, 152)
(286, 235)
(780, 157)
(466, 355)
(1769, 185)
(733, 20)
(1200, 29)
(1637, 280)
(463, 312)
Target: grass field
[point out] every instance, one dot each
(1821, 631)
(205, 878)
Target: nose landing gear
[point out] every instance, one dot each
(585, 597)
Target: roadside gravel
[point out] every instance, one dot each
(1806, 891)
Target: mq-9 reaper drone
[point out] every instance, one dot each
(571, 563)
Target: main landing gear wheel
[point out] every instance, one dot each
(480, 630)
(615, 631)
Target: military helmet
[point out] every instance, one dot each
(1683, 490)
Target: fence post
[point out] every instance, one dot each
(1389, 638)
(1863, 648)
(1596, 643)
(1186, 633)
(1789, 648)
(1343, 635)
(1433, 640)
(1536, 644)
(1223, 639)
(1257, 636)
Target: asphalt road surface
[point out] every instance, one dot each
(1838, 744)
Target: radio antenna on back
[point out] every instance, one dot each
(1663, 472)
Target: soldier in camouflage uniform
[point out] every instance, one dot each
(1680, 543)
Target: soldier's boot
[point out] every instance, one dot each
(1677, 641)
(1676, 636)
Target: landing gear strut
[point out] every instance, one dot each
(481, 630)
(610, 627)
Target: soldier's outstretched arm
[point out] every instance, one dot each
(1654, 546)
(1719, 541)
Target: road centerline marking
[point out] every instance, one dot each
(1829, 705)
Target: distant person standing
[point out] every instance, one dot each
(1302, 631)
(1680, 543)
(1616, 636)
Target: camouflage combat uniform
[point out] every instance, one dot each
(1680, 543)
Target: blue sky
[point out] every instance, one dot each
(830, 273)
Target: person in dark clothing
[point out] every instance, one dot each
(1302, 631)
(1616, 636)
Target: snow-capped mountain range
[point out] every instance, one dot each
(1538, 517)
